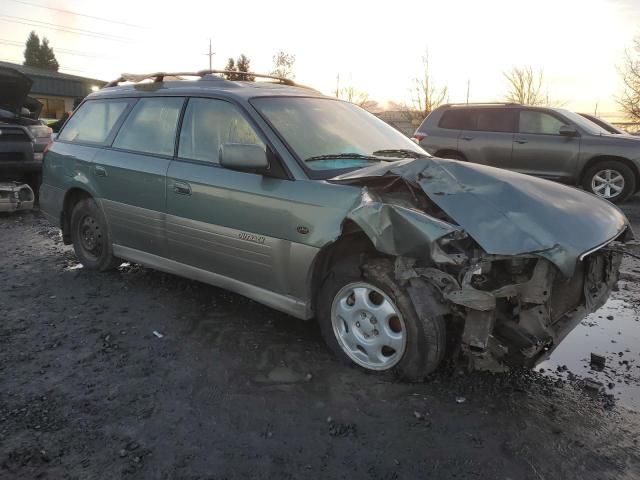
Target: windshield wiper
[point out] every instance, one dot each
(354, 156)
(399, 153)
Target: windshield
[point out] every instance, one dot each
(583, 123)
(330, 134)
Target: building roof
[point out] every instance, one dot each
(47, 82)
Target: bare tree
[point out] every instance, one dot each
(425, 94)
(527, 87)
(352, 94)
(283, 65)
(630, 72)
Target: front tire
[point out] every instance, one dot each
(611, 180)
(367, 319)
(90, 237)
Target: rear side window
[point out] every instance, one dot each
(210, 123)
(94, 121)
(496, 120)
(151, 126)
(532, 121)
(458, 119)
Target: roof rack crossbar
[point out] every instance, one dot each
(159, 76)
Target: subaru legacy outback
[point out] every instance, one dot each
(315, 207)
(550, 143)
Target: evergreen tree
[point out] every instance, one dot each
(39, 54)
(46, 57)
(231, 67)
(244, 65)
(32, 50)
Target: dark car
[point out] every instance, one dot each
(315, 207)
(551, 143)
(23, 138)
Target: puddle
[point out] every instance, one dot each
(613, 332)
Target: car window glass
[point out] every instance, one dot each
(208, 124)
(532, 121)
(93, 121)
(151, 126)
(495, 120)
(459, 119)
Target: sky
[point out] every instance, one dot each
(375, 47)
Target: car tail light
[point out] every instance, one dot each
(418, 137)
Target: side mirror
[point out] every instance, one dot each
(568, 131)
(241, 156)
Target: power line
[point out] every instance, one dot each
(102, 19)
(65, 51)
(61, 28)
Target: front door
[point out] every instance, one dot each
(235, 224)
(539, 149)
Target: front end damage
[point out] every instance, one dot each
(515, 262)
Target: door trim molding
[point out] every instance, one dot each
(283, 303)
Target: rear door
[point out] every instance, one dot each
(228, 222)
(539, 149)
(131, 175)
(488, 139)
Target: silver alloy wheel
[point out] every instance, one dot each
(368, 326)
(607, 183)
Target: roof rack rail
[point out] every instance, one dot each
(160, 76)
(478, 103)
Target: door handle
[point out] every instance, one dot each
(520, 140)
(182, 188)
(100, 171)
(467, 138)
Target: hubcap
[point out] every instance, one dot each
(368, 326)
(90, 235)
(607, 183)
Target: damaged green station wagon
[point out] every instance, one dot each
(315, 207)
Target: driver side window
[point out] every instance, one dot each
(210, 123)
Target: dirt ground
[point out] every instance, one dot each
(231, 389)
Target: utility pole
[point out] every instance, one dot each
(210, 55)
(468, 88)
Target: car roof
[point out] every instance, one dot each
(204, 86)
(470, 106)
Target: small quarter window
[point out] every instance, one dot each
(93, 121)
(151, 126)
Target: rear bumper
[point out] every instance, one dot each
(52, 203)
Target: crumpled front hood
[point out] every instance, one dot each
(14, 88)
(508, 213)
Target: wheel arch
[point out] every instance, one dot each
(606, 158)
(71, 198)
(353, 243)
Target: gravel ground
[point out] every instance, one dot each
(231, 389)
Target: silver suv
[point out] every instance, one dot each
(551, 143)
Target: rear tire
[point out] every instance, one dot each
(90, 237)
(611, 180)
(406, 345)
